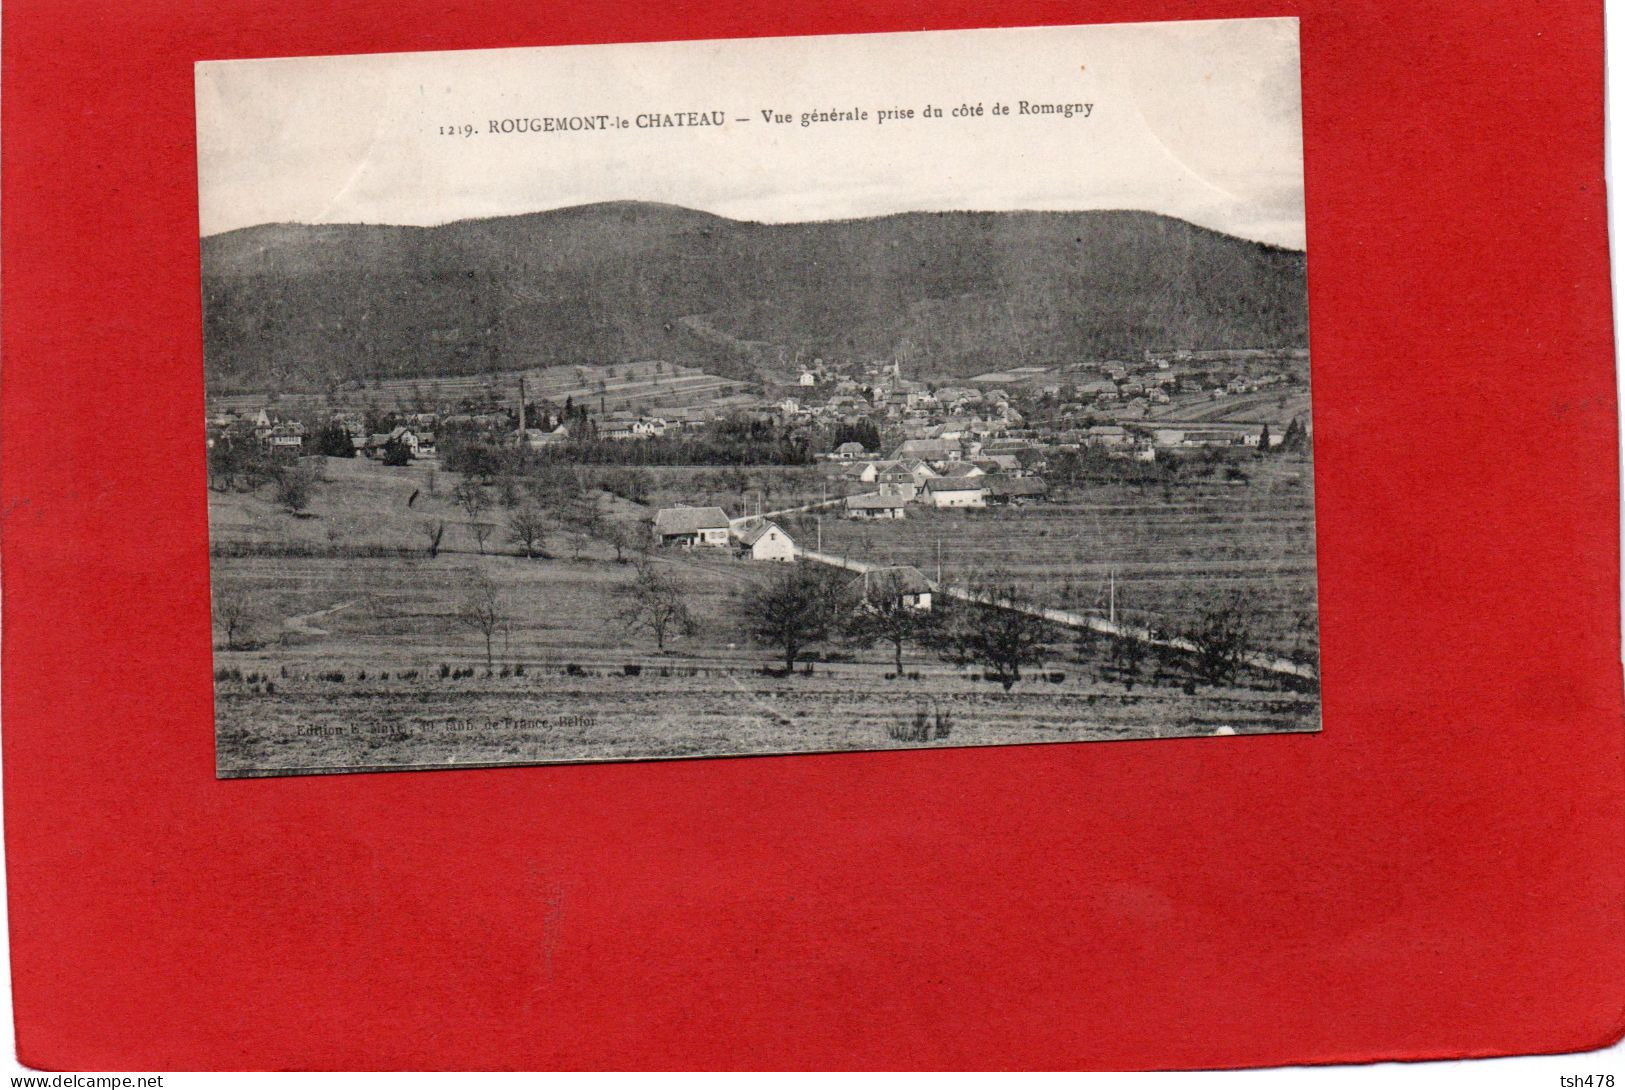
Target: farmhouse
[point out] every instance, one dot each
(929, 450)
(691, 526)
(949, 492)
(536, 438)
(647, 426)
(1003, 490)
(617, 425)
(899, 483)
(903, 581)
(286, 438)
(876, 507)
(848, 451)
(918, 470)
(763, 540)
(379, 442)
(963, 471)
(999, 463)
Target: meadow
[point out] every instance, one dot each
(353, 653)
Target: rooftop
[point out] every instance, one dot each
(689, 520)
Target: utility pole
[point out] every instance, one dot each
(1111, 592)
(939, 558)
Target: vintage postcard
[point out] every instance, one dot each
(757, 397)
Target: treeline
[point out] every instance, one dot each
(733, 442)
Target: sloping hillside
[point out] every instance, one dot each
(309, 307)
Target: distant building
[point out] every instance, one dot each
(876, 507)
(691, 526)
(903, 581)
(808, 379)
(648, 426)
(1003, 490)
(1000, 463)
(379, 443)
(928, 450)
(899, 483)
(956, 492)
(849, 451)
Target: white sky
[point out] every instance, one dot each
(1200, 120)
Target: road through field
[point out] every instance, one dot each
(300, 622)
(1272, 663)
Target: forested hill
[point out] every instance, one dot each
(290, 306)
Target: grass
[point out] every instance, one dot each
(358, 658)
(1172, 552)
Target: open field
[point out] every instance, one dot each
(1277, 408)
(310, 724)
(1172, 551)
(649, 385)
(354, 655)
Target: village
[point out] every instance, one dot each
(577, 521)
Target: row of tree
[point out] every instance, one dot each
(1000, 628)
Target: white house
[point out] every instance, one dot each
(691, 526)
(956, 492)
(762, 540)
(809, 379)
(649, 426)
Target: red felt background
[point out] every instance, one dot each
(1438, 873)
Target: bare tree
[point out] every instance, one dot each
(471, 496)
(999, 629)
(433, 531)
(1222, 635)
(526, 527)
(652, 602)
(482, 610)
(234, 615)
(1128, 656)
(620, 537)
(481, 531)
(883, 613)
(791, 611)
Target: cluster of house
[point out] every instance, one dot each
(263, 428)
(711, 528)
(290, 436)
(829, 394)
(416, 441)
(937, 473)
(762, 539)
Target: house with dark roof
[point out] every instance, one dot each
(1004, 490)
(963, 470)
(691, 526)
(929, 450)
(881, 506)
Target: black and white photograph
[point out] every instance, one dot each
(761, 396)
